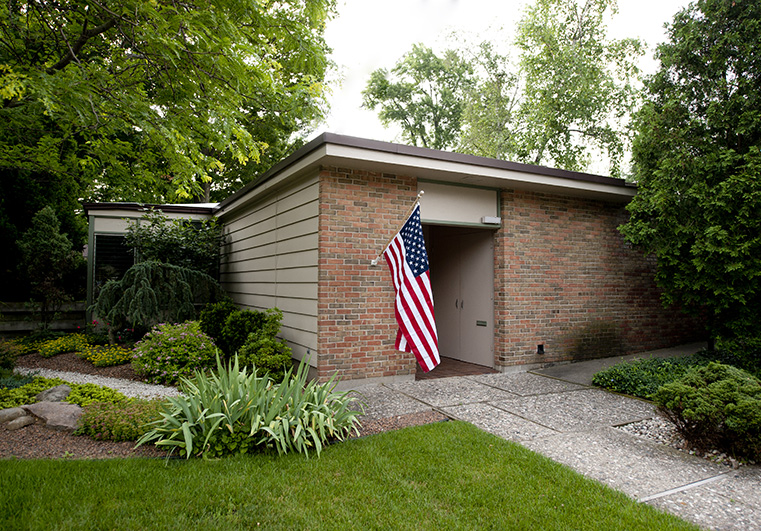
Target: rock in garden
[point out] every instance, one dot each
(57, 415)
(20, 422)
(12, 413)
(54, 394)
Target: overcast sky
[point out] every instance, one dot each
(367, 35)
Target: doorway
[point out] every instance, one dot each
(462, 279)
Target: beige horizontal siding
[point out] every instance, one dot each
(270, 260)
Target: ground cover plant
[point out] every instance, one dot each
(170, 352)
(234, 411)
(106, 355)
(447, 475)
(643, 377)
(81, 394)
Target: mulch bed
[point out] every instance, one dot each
(39, 442)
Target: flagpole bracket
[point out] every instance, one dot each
(374, 262)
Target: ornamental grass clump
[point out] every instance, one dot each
(232, 411)
(170, 352)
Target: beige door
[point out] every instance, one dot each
(462, 278)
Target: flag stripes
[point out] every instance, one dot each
(414, 299)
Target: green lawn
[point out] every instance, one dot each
(446, 475)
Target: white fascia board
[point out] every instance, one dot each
(299, 168)
(464, 173)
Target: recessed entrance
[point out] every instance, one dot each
(462, 278)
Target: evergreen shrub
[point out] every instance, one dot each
(263, 351)
(170, 352)
(716, 406)
(213, 318)
(238, 326)
(9, 351)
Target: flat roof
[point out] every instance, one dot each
(330, 149)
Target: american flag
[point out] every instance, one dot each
(408, 262)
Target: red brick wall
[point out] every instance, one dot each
(565, 278)
(359, 213)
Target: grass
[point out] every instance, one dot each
(439, 476)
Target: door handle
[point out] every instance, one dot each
(455, 303)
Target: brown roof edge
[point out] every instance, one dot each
(426, 153)
(137, 207)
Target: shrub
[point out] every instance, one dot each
(9, 351)
(47, 257)
(213, 317)
(106, 356)
(151, 293)
(716, 406)
(122, 421)
(264, 352)
(238, 326)
(231, 411)
(67, 343)
(192, 244)
(172, 351)
(268, 355)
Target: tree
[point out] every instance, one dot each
(136, 99)
(697, 162)
(577, 85)
(423, 93)
(490, 116)
(180, 242)
(570, 94)
(47, 257)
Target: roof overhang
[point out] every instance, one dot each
(370, 155)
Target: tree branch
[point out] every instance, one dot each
(74, 49)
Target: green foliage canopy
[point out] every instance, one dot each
(424, 93)
(577, 84)
(184, 243)
(698, 166)
(155, 98)
(571, 91)
(47, 257)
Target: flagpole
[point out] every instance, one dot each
(374, 262)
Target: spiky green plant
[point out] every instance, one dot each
(233, 411)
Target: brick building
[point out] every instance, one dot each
(527, 264)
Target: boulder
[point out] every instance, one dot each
(20, 422)
(57, 415)
(54, 394)
(12, 413)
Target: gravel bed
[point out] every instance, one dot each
(130, 388)
(662, 431)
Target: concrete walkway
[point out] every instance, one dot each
(554, 412)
